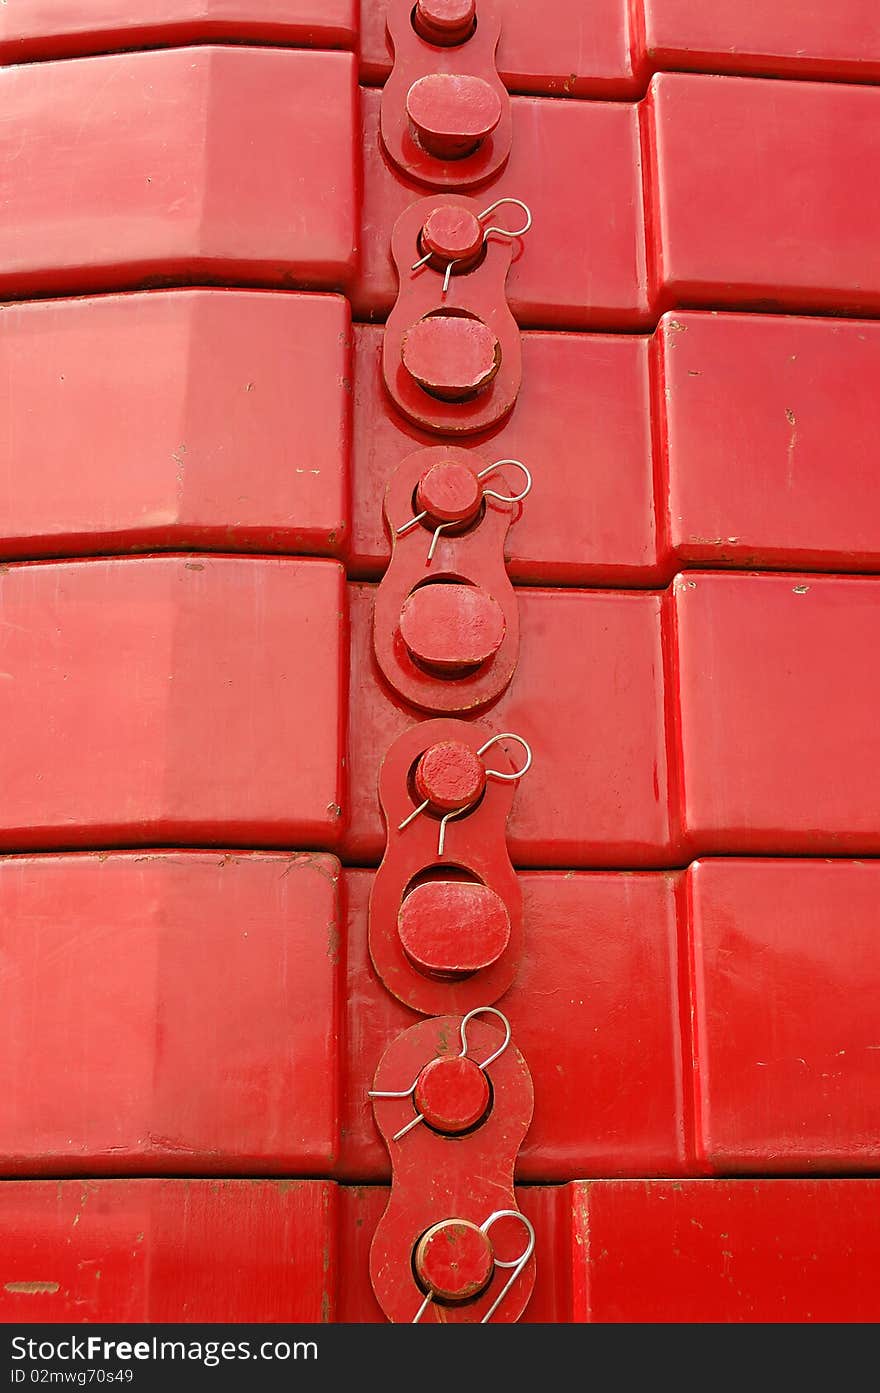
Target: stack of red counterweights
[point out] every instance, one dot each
(439, 645)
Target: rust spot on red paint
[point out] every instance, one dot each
(31, 1288)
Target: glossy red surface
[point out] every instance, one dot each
(716, 1019)
(786, 1015)
(557, 48)
(598, 791)
(184, 164)
(584, 262)
(607, 1251)
(581, 423)
(769, 440)
(777, 679)
(726, 1250)
(193, 1000)
(180, 418)
(766, 36)
(160, 699)
(595, 1011)
(168, 1250)
(47, 29)
(786, 219)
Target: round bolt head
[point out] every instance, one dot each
(450, 775)
(452, 357)
(445, 22)
(452, 234)
(451, 629)
(451, 114)
(450, 929)
(449, 492)
(454, 1260)
(452, 1094)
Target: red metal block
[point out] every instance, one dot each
(558, 49)
(784, 219)
(197, 1030)
(597, 793)
(180, 164)
(726, 1250)
(162, 699)
(769, 440)
(777, 697)
(114, 1251)
(581, 424)
(595, 1011)
(47, 29)
(198, 418)
(839, 41)
(786, 1017)
(585, 263)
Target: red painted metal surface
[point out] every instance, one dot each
(786, 219)
(188, 1003)
(582, 424)
(705, 1021)
(594, 1009)
(183, 164)
(607, 1251)
(786, 1016)
(264, 428)
(598, 792)
(777, 709)
(585, 264)
(201, 418)
(160, 700)
(47, 29)
(769, 440)
(558, 49)
(783, 36)
(802, 1251)
(168, 1250)
(726, 1251)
